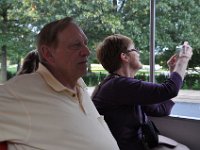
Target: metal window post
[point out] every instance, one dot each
(152, 40)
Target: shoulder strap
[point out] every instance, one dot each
(143, 117)
(97, 88)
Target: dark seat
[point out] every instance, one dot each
(3, 146)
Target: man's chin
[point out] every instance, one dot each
(83, 72)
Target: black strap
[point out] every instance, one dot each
(97, 88)
(142, 115)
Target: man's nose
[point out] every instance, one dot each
(85, 51)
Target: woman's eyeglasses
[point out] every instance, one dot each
(134, 49)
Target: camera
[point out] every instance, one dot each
(181, 47)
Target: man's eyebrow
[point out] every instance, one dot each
(86, 40)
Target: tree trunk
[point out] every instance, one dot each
(3, 64)
(115, 5)
(4, 14)
(18, 63)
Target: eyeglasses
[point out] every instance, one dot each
(133, 49)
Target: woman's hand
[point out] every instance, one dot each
(172, 62)
(186, 51)
(182, 59)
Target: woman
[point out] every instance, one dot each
(124, 101)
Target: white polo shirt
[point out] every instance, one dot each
(38, 113)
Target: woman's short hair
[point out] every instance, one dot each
(109, 51)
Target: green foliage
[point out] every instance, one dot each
(191, 81)
(94, 79)
(10, 74)
(161, 78)
(176, 21)
(142, 76)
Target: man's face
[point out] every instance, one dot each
(70, 55)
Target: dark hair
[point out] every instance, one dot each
(30, 63)
(108, 52)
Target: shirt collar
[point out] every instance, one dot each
(53, 82)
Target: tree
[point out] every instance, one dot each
(4, 14)
(178, 21)
(15, 39)
(175, 22)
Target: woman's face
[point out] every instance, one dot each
(134, 60)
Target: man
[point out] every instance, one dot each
(50, 109)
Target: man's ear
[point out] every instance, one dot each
(124, 57)
(47, 54)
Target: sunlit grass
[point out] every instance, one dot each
(12, 68)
